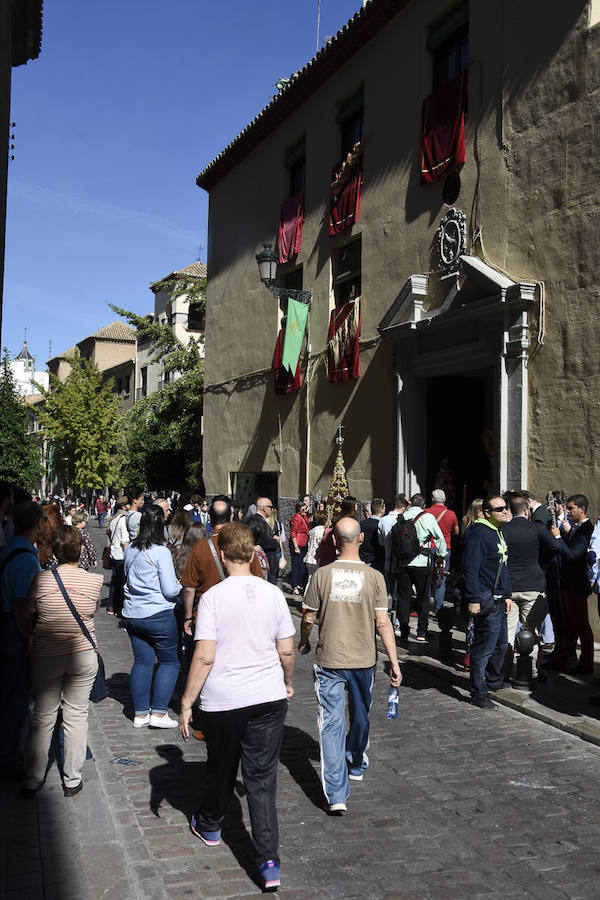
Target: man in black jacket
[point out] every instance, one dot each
(371, 550)
(525, 540)
(486, 585)
(269, 542)
(575, 534)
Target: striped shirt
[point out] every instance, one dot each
(56, 630)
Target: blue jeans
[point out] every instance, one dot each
(153, 637)
(341, 752)
(487, 651)
(439, 584)
(101, 518)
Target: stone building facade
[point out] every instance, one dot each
(478, 295)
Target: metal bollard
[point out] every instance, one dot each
(445, 619)
(525, 641)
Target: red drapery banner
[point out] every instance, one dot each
(345, 196)
(443, 130)
(290, 227)
(284, 382)
(343, 357)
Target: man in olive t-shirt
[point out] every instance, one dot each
(350, 599)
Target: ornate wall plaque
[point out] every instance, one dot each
(451, 240)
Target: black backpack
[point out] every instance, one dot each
(404, 542)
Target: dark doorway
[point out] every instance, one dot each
(460, 437)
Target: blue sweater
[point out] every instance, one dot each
(151, 584)
(483, 550)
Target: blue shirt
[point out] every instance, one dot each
(19, 573)
(151, 584)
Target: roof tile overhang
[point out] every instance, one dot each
(366, 23)
(26, 30)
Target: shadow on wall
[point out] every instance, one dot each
(347, 402)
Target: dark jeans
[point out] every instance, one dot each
(154, 637)
(14, 692)
(298, 568)
(420, 576)
(253, 734)
(487, 651)
(117, 583)
(101, 518)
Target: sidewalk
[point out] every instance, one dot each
(562, 701)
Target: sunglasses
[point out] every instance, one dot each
(498, 508)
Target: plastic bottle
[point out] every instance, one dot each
(392, 703)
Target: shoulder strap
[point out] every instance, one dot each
(12, 555)
(74, 612)
(216, 559)
(441, 516)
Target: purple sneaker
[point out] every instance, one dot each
(210, 838)
(269, 872)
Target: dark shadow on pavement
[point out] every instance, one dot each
(297, 751)
(180, 784)
(118, 689)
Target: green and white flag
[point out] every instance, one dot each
(297, 314)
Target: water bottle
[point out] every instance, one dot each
(392, 703)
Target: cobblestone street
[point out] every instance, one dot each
(456, 803)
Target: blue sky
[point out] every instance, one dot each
(127, 102)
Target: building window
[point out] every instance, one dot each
(295, 163)
(119, 385)
(448, 43)
(350, 120)
(144, 380)
(346, 266)
(196, 317)
(127, 380)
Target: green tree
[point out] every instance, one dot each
(19, 452)
(80, 419)
(161, 436)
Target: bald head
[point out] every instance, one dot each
(264, 507)
(220, 510)
(348, 537)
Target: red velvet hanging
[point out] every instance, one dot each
(283, 381)
(345, 197)
(343, 356)
(443, 130)
(290, 227)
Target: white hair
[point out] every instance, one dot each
(438, 496)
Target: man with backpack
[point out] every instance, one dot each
(448, 523)
(411, 561)
(386, 523)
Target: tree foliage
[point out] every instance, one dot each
(161, 436)
(79, 419)
(19, 451)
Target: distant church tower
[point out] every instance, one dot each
(23, 369)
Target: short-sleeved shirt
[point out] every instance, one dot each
(56, 630)
(201, 571)
(17, 574)
(118, 535)
(245, 616)
(345, 595)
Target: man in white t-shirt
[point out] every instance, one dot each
(134, 516)
(242, 668)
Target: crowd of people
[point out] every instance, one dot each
(196, 590)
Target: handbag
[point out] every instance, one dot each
(99, 691)
(106, 558)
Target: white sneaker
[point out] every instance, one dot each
(358, 777)
(141, 721)
(162, 721)
(338, 808)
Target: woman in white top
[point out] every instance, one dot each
(242, 667)
(315, 536)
